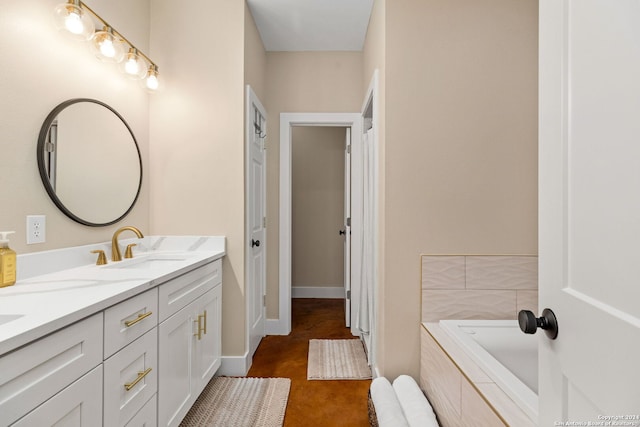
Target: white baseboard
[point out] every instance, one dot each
(275, 327)
(317, 292)
(235, 366)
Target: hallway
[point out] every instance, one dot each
(312, 403)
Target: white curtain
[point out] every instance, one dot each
(365, 321)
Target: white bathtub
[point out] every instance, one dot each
(507, 355)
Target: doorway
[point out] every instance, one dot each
(287, 122)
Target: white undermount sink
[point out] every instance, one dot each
(149, 261)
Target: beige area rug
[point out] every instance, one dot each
(337, 360)
(240, 402)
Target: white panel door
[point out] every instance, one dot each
(256, 218)
(589, 232)
(347, 228)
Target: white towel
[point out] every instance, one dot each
(388, 409)
(415, 405)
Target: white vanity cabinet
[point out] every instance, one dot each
(140, 362)
(189, 340)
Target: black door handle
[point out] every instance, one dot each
(529, 324)
(342, 232)
(255, 243)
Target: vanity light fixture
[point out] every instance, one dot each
(109, 45)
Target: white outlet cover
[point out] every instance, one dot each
(36, 229)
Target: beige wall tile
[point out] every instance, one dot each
(468, 304)
(527, 300)
(442, 272)
(502, 272)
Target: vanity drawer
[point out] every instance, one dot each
(32, 374)
(80, 404)
(128, 320)
(147, 416)
(136, 362)
(179, 292)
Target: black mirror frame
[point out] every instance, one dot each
(42, 139)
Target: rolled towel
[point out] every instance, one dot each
(415, 405)
(388, 409)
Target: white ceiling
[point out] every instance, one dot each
(311, 25)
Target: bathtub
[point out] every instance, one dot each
(507, 355)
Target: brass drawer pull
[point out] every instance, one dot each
(141, 375)
(137, 319)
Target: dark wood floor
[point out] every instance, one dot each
(312, 403)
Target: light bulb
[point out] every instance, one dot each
(70, 17)
(151, 82)
(134, 66)
(73, 23)
(106, 46)
(131, 66)
(107, 49)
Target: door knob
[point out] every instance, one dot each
(342, 232)
(529, 324)
(255, 243)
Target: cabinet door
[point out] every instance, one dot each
(208, 347)
(176, 341)
(80, 404)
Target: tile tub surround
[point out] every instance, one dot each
(478, 286)
(57, 288)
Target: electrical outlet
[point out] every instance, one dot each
(36, 227)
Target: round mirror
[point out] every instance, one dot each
(89, 162)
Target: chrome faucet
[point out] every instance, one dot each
(115, 250)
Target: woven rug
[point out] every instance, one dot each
(240, 402)
(337, 360)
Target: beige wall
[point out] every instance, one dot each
(302, 82)
(317, 195)
(255, 57)
(40, 69)
(197, 128)
(461, 103)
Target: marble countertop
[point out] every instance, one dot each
(57, 288)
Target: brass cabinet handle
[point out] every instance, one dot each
(141, 316)
(201, 328)
(141, 375)
(199, 332)
(205, 322)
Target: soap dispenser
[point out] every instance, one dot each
(7, 261)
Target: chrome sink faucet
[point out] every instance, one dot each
(115, 249)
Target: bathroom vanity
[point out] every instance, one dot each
(127, 343)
